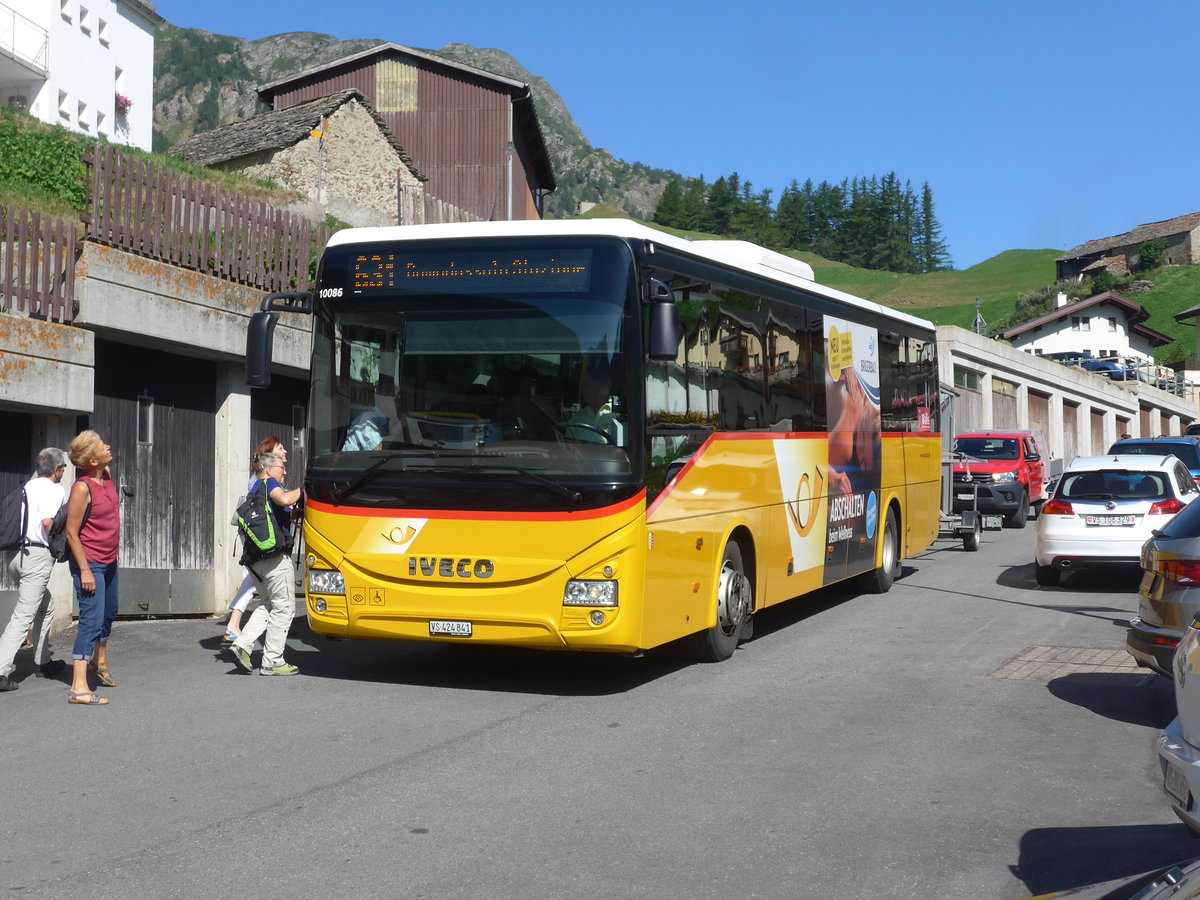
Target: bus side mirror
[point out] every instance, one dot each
(665, 329)
(260, 340)
(260, 336)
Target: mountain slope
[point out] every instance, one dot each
(204, 80)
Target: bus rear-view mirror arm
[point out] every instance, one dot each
(260, 335)
(666, 330)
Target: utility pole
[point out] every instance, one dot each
(979, 326)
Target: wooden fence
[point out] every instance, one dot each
(175, 218)
(37, 265)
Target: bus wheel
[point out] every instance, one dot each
(735, 603)
(880, 580)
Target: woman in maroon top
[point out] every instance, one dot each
(93, 534)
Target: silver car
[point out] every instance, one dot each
(1169, 592)
(1178, 753)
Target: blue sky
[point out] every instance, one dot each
(1037, 124)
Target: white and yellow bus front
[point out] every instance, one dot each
(476, 460)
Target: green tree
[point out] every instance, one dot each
(1153, 253)
(691, 211)
(669, 210)
(932, 255)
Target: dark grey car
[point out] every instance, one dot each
(1169, 592)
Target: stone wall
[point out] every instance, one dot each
(360, 172)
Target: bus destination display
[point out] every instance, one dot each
(566, 271)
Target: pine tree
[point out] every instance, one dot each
(719, 208)
(932, 254)
(691, 210)
(791, 216)
(669, 211)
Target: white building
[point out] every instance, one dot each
(87, 65)
(1107, 325)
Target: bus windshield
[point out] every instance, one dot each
(473, 363)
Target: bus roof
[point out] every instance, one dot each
(741, 256)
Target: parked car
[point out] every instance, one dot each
(1187, 448)
(1192, 430)
(1169, 595)
(1103, 510)
(1177, 881)
(999, 472)
(1110, 368)
(1179, 743)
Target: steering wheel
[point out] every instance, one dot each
(565, 428)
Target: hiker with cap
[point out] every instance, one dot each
(31, 565)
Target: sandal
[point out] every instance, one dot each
(102, 675)
(92, 699)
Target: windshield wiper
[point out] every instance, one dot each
(561, 489)
(340, 492)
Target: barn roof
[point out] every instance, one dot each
(277, 130)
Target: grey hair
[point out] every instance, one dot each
(48, 460)
(264, 461)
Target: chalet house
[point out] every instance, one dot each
(87, 66)
(1120, 254)
(336, 151)
(1106, 325)
(473, 134)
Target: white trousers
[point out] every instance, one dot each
(34, 609)
(274, 616)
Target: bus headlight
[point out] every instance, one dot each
(324, 581)
(590, 593)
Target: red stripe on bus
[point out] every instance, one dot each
(481, 515)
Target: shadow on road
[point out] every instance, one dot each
(1117, 580)
(476, 667)
(1140, 698)
(1055, 859)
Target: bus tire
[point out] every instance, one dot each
(880, 580)
(735, 604)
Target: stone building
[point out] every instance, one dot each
(1121, 253)
(335, 151)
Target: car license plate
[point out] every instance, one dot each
(965, 496)
(1110, 520)
(1175, 784)
(454, 629)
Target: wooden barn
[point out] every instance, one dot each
(473, 134)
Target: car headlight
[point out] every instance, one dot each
(324, 581)
(1004, 477)
(590, 593)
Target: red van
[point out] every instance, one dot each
(1000, 472)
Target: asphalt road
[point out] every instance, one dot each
(859, 747)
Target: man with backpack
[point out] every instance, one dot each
(31, 562)
(266, 521)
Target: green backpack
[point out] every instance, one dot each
(261, 536)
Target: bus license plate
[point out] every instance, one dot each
(454, 629)
(1176, 785)
(1110, 520)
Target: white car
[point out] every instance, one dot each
(1179, 744)
(1104, 508)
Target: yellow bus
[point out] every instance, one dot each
(592, 435)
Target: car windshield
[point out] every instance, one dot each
(1113, 484)
(1186, 451)
(987, 447)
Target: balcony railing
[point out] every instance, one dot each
(23, 40)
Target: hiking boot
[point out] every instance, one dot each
(241, 657)
(281, 669)
(7, 684)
